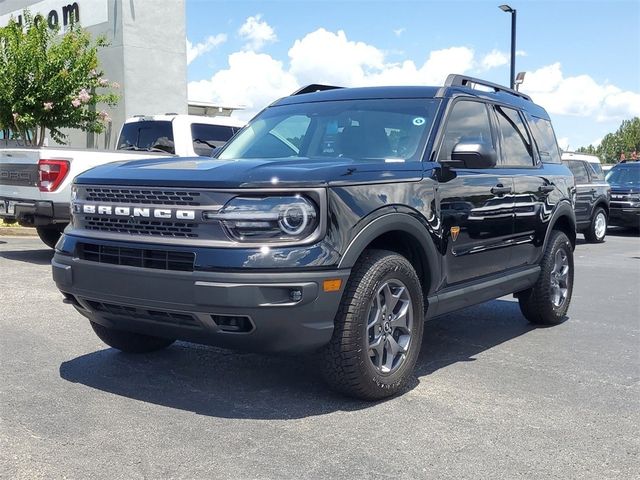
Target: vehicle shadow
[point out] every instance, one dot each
(36, 257)
(216, 382)
(623, 232)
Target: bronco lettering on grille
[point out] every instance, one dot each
(133, 212)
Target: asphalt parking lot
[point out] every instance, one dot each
(494, 397)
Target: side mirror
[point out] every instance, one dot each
(474, 155)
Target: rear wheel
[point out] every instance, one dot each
(547, 302)
(598, 228)
(378, 328)
(50, 234)
(130, 342)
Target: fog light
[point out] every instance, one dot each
(295, 295)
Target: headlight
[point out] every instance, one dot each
(268, 219)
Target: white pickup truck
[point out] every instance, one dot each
(35, 183)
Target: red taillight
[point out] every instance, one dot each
(52, 173)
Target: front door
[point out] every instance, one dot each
(475, 205)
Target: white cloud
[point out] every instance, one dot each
(257, 33)
(252, 79)
(196, 50)
(494, 59)
(580, 95)
(399, 31)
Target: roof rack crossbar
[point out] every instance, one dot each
(314, 87)
(455, 80)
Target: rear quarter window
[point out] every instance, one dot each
(545, 139)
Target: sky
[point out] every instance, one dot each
(582, 58)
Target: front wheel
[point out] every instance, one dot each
(378, 328)
(547, 302)
(598, 228)
(50, 234)
(130, 342)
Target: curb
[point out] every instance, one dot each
(18, 232)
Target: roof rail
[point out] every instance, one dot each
(454, 80)
(314, 87)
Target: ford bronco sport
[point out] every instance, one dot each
(336, 221)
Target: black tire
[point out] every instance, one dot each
(130, 342)
(593, 233)
(50, 235)
(538, 303)
(346, 362)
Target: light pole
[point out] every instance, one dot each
(512, 11)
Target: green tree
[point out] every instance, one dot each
(51, 81)
(624, 140)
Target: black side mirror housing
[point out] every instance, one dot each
(474, 155)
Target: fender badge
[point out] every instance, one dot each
(454, 233)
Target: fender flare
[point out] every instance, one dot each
(390, 222)
(563, 209)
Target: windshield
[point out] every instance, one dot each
(148, 135)
(624, 176)
(375, 129)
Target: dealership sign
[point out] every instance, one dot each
(61, 13)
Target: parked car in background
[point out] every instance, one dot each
(35, 183)
(592, 197)
(624, 179)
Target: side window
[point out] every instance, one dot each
(596, 171)
(579, 171)
(207, 137)
(468, 121)
(516, 145)
(545, 139)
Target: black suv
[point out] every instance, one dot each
(336, 221)
(624, 179)
(593, 194)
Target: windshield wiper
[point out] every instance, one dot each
(138, 149)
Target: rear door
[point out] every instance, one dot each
(476, 205)
(520, 159)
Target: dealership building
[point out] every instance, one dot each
(146, 55)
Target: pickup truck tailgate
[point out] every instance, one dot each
(19, 174)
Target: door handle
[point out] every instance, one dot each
(547, 188)
(500, 190)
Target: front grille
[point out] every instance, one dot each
(160, 316)
(137, 257)
(155, 228)
(139, 196)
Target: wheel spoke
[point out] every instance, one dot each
(377, 348)
(400, 320)
(390, 299)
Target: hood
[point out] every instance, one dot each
(202, 172)
(624, 188)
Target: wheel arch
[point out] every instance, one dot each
(563, 219)
(401, 233)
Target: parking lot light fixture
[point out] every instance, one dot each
(512, 11)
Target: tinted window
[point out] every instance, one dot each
(207, 137)
(468, 121)
(516, 144)
(579, 171)
(545, 139)
(147, 135)
(372, 129)
(596, 171)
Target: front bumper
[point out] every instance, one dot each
(624, 217)
(35, 212)
(275, 311)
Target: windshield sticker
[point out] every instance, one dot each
(418, 121)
